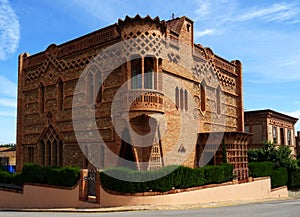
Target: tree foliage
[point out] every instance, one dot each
(280, 156)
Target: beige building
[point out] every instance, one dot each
(269, 125)
(8, 158)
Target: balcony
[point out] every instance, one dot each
(146, 100)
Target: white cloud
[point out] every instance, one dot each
(9, 30)
(295, 114)
(7, 87)
(205, 32)
(275, 12)
(8, 102)
(223, 14)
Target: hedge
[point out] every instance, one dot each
(164, 179)
(33, 173)
(260, 169)
(279, 176)
(294, 178)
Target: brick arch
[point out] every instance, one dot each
(50, 148)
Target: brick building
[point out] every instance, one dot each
(47, 83)
(269, 125)
(298, 142)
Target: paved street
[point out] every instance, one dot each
(286, 208)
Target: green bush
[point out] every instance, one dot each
(260, 169)
(165, 179)
(6, 177)
(294, 178)
(33, 173)
(18, 179)
(52, 176)
(279, 177)
(214, 174)
(69, 176)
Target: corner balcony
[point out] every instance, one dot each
(143, 100)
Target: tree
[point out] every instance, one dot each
(279, 156)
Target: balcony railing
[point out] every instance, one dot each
(142, 100)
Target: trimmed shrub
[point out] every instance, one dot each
(294, 178)
(6, 177)
(69, 176)
(214, 174)
(33, 173)
(18, 179)
(228, 172)
(165, 179)
(260, 169)
(52, 176)
(279, 177)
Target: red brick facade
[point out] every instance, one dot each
(47, 81)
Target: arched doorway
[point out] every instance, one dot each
(126, 152)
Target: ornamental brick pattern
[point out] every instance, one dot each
(47, 80)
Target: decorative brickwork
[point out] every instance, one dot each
(47, 83)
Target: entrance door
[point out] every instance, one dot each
(126, 152)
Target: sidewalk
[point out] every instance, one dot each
(146, 207)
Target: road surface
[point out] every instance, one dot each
(285, 208)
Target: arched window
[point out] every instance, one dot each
(148, 73)
(181, 99)
(218, 100)
(186, 100)
(99, 86)
(42, 97)
(42, 152)
(90, 88)
(60, 94)
(136, 74)
(48, 143)
(51, 148)
(202, 96)
(177, 97)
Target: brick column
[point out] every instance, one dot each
(98, 183)
(83, 185)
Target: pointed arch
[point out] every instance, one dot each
(60, 94)
(42, 98)
(50, 148)
(218, 100)
(203, 96)
(177, 97)
(126, 151)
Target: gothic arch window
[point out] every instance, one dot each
(51, 148)
(42, 97)
(90, 88)
(177, 97)
(98, 86)
(186, 100)
(149, 73)
(142, 73)
(181, 98)
(60, 94)
(218, 100)
(42, 152)
(94, 85)
(136, 73)
(126, 152)
(202, 96)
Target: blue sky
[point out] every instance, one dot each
(264, 35)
